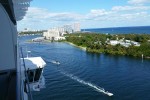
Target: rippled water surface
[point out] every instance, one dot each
(127, 78)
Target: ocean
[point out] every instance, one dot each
(121, 30)
(83, 76)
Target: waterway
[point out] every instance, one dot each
(82, 76)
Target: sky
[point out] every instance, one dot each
(45, 14)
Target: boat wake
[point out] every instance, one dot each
(97, 88)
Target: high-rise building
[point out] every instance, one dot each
(68, 28)
(76, 27)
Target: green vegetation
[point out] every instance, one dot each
(97, 43)
(31, 32)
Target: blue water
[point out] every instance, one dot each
(122, 30)
(127, 78)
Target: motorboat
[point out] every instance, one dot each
(55, 62)
(108, 93)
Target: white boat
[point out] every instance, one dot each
(108, 93)
(55, 62)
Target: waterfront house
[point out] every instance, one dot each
(125, 43)
(114, 42)
(135, 43)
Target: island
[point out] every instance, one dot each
(136, 45)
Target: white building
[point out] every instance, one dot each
(125, 43)
(114, 42)
(54, 34)
(76, 27)
(135, 43)
(57, 33)
(68, 28)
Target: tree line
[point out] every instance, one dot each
(31, 32)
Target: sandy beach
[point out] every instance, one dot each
(83, 48)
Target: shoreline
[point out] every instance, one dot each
(134, 45)
(83, 48)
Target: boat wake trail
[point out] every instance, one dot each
(97, 88)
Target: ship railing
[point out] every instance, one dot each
(26, 76)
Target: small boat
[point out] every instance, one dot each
(108, 93)
(55, 62)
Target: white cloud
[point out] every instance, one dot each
(113, 18)
(130, 8)
(129, 15)
(99, 12)
(42, 18)
(42, 14)
(138, 2)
